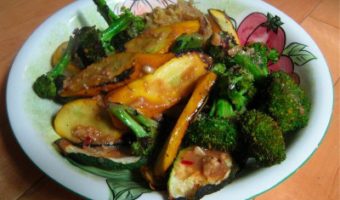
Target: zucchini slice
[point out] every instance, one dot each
(225, 23)
(108, 158)
(198, 172)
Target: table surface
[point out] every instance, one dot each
(317, 179)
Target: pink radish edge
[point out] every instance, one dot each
(277, 41)
(249, 24)
(273, 40)
(284, 64)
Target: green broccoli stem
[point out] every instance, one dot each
(273, 55)
(144, 128)
(144, 121)
(124, 114)
(186, 43)
(219, 69)
(126, 32)
(45, 86)
(116, 27)
(222, 108)
(105, 11)
(238, 99)
(64, 60)
(246, 62)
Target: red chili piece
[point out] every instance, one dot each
(187, 162)
(87, 141)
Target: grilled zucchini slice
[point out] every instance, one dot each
(197, 172)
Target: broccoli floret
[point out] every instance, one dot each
(218, 54)
(237, 85)
(273, 55)
(240, 73)
(95, 44)
(222, 108)
(255, 59)
(185, 43)
(263, 138)
(134, 29)
(46, 86)
(136, 26)
(286, 102)
(143, 128)
(234, 85)
(219, 69)
(212, 133)
(263, 55)
(216, 130)
(89, 49)
(219, 45)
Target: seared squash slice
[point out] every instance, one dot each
(157, 92)
(159, 40)
(112, 72)
(196, 101)
(224, 22)
(84, 121)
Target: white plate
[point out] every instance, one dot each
(30, 116)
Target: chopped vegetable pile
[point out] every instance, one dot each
(183, 101)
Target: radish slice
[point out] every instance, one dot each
(249, 24)
(284, 63)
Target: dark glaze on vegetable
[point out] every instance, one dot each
(112, 72)
(120, 77)
(104, 157)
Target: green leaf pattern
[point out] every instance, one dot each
(124, 184)
(125, 189)
(298, 54)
